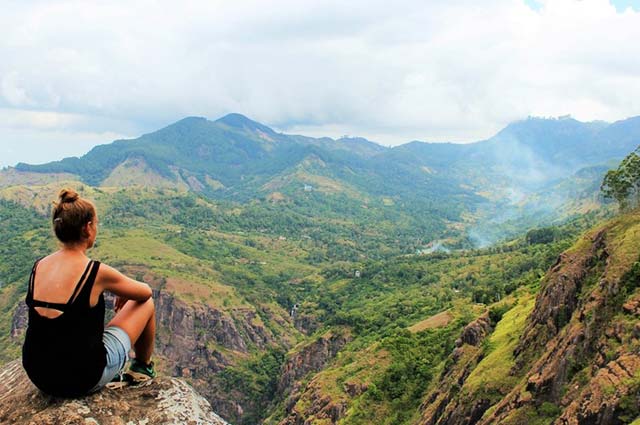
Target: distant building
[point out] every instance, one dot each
(308, 188)
(357, 273)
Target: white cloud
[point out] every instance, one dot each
(431, 70)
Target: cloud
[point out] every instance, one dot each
(456, 70)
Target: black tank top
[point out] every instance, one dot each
(64, 356)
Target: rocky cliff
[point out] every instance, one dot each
(160, 401)
(441, 406)
(576, 357)
(307, 359)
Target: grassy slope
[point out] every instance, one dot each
(491, 378)
(217, 253)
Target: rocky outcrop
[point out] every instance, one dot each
(441, 405)
(160, 401)
(312, 358)
(475, 332)
(578, 349)
(558, 297)
(19, 321)
(190, 328)
(600, 401)
(321, 408)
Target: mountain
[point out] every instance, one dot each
(229, 150)
(239, 159)
(235, 148)
(316, 280)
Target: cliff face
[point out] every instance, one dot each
(576, 359)
(308, 359)
(559, 296)
(311, 358)
(441, 406)
(160, 401)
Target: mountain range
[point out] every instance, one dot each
(311, 280)
(477, 185)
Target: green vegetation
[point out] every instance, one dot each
(372, 240)
(255, 381)
(231, 255)
(491, 379)
(25, 237)
(623, 183)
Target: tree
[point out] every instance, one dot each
(543, 235)
(623, 183)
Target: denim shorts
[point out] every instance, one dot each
(117, 343)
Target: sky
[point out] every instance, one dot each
(74, 74)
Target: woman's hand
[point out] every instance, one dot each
(119, 303)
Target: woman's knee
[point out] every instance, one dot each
(148, 305)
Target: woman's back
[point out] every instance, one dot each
(57, 277)
(63, 352)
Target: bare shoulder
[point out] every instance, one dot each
(114, 281)
(108, 274)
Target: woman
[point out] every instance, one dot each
(67, 350)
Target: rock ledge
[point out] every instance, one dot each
(164, 400)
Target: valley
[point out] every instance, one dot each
(300, 279)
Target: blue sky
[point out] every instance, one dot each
(76, 73)
(620, 5)
(623, 4)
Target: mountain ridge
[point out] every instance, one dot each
(236, 158)
(240, 122)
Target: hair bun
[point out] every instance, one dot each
(68, 195)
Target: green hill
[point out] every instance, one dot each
(300, 279)
(237, 159)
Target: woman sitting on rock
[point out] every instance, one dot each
(67, 349)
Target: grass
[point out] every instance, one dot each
(623, 238)
(436, 321)
(491, 376)
(187, 277)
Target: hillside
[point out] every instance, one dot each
(570, 357)
(560, 349)
(322, 280)
(485, 190)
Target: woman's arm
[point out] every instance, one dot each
(125, 287)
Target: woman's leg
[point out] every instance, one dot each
(138, 320)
